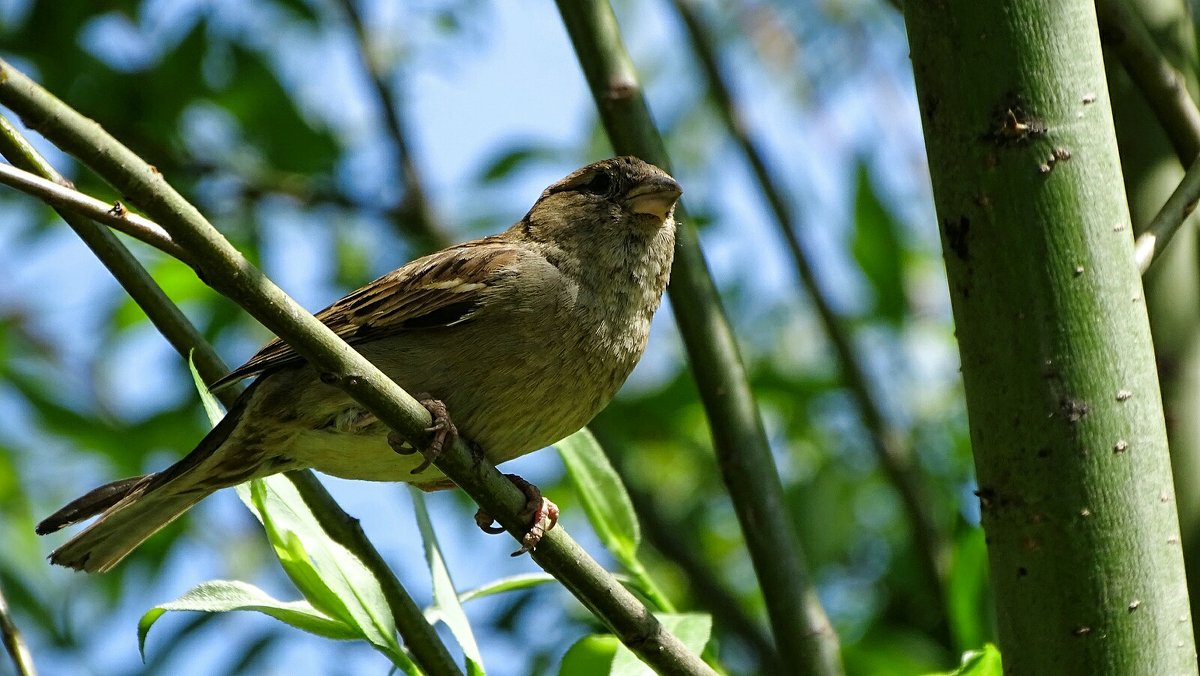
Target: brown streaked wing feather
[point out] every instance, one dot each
(427, 293)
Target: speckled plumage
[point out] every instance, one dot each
(525, 336)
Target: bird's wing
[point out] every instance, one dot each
(442, 289)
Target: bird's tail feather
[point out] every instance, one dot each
(124, 523)
(131, 510)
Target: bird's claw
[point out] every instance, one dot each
(443, 430)
(542, 515)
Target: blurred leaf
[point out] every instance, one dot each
(446, 606)
(507, 161)
(602, 494)
(968, 595)
(604, 654)
(982, 662)
(590, 656)
(270, 119)
(248, 661)
(218, 596)
(878, 250)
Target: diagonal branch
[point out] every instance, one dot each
(62, 195)
(419, 636)
(1149, 245)
(804, 637)
(227, 271)
(414, 215)
(890, 444)
(1161, 84)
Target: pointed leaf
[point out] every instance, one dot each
(330, 576)
(602, 494)
(212, 407)
(506, 584)
(878, 249)
(218, 596)
(445, 599)
(982, 662)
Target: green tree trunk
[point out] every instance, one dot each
(1066, 419)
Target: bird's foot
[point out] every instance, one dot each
(542, 515)
(443, 430)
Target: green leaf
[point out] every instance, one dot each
(446, 606)
(212, 407)
(602, 495)
(968, 595)
(332, 579)
(507, 161)
(219, 596)
(506, 584)
(982, 662)
(604, 654)
(590, 656)
(879, 251)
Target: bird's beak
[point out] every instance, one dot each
(655, 197)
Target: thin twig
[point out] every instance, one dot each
(64, 196)
(13, 642)
(1174, 213)
(889, 443)
(1162, 85)
(419, 636)
(414, 215)
(227, 271)
(803, 635)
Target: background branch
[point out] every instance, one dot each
(1149, 245)
(14, 644)
(414, 215)
(223, 267)
(891, 445)
(803, 635)
(1124, 32)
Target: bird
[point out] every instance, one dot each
(512, 341)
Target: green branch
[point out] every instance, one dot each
(62, 195)
(224, 268)
(1174, 213)
(804, 637)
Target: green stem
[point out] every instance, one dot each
(803, 634)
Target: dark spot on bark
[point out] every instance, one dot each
(1073, 409)
(1022, 571)
(958, 236)
(1043, 452)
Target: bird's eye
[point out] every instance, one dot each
(599, 184)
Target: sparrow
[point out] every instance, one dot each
(513, 341)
